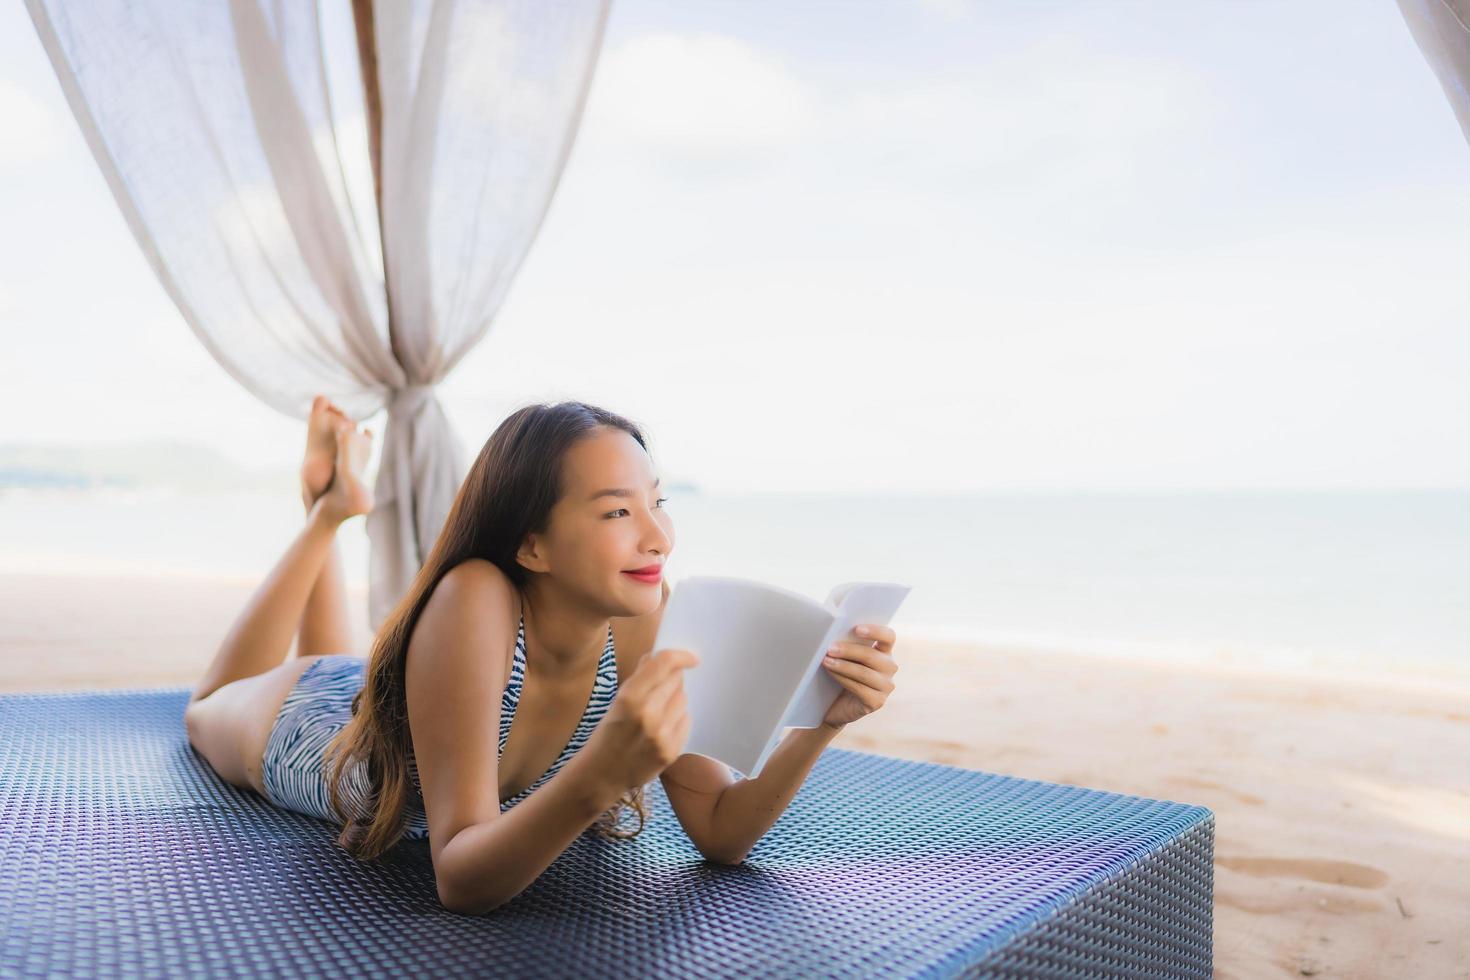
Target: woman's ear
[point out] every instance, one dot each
(527, 556)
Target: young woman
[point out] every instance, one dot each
(511, 700)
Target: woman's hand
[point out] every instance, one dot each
(646, 726)
(865, 667)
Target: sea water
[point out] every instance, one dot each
(1355, 581)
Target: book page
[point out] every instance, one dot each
(853, 604)
(755, 642)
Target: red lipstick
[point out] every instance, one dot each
(649, 574)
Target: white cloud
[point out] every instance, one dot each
(1056, 115)
(951, 10)
(30, 132)
(701, 96)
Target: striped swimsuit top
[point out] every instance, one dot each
(604, 689)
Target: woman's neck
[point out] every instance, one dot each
(565, 639)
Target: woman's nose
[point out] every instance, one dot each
(661, 539)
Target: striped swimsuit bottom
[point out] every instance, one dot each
(293, 769)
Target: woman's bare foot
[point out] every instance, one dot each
(348, 495)
(321, 448)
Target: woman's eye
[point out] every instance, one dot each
(623, 510)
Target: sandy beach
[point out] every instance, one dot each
(1342, 804)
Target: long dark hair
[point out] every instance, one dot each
(509, 493)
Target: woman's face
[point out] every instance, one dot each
(596, 536)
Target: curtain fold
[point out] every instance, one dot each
(240, 146)
(1441, 28)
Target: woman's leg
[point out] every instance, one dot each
(261, 637)
(325, 626)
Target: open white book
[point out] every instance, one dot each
(760, 651)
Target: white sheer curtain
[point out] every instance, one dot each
(1441, 28)
(252, 156)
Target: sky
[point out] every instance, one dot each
(918, 246)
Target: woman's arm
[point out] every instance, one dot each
(487, 864)
(748, 807)
(864, 668)
(458, 666)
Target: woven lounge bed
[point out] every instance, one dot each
(122, 853)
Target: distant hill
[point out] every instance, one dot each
(157, 463)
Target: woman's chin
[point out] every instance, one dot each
(642, 597)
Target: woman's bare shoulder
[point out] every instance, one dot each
(473, 600)
(479, 573)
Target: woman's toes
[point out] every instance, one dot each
(349, 494)
(337, 414)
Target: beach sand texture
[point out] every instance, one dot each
(1342, 806)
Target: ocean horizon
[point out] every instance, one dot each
(1362, 581)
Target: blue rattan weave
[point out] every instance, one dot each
(122, 853)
